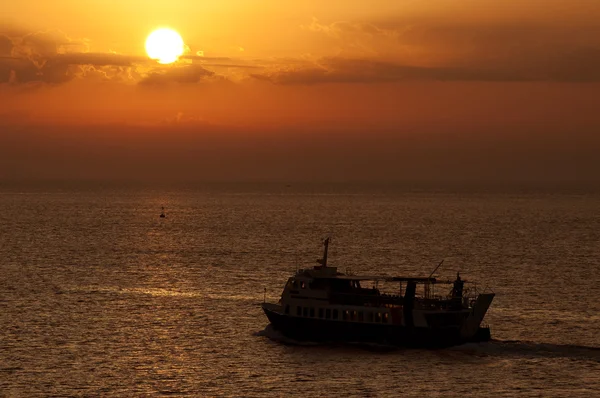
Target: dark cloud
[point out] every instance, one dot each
(26, 70)
(345, 29)
(6, 46)
(62, 68)
(98, 59)
(48, 43)
(203, 58)
(224, 62)
(50, 57)
(468, 51)
(495, 37)
(541, 52)
(177, 74)
(39, 47)
(240, 66)
(340, 70)
(369, 52)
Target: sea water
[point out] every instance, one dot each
(99, 296)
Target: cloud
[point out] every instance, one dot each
(24, 70)
(186, 74)
(362, 52)
(342, 70)
(225, 62)
(98, 59)
(6, 46)
(201, 57)
(239, 66)
(39, 46)
(61, 68)
(52, 57)
(358, 39)
(467, 51)
(342, 29)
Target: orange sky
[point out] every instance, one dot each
(375, 86)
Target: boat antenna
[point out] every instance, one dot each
(323, 261)
(436, 268)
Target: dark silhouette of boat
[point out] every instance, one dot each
(162, 213)
(322, 304)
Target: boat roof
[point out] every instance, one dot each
(321, 272)
(386, 278)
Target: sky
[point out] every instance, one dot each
(337, 90)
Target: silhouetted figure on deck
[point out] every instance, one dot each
(457, 291)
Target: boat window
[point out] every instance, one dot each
(354, 315)
(312, 312)
(340, 285)
(355, 284)
(294, 283)
(305, 311)
(303, 285)
(345, 315)
(287, 309)
(386, 317)
(299, 311)
(320, 312)
(378, 319)
(328, 313)
(335, 314)
(361, 316)
(369, 316)
(319, 284)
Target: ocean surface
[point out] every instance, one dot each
(101, 297)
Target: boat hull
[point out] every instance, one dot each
(323, 330)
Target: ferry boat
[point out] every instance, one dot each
(323, 305)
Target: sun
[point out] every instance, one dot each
(164, 45)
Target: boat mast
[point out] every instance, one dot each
(436, 268)
(323, 261)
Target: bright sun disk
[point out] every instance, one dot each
(164, 45)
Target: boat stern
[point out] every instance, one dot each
(471, 325)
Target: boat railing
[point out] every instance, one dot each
(487, 289)
(471, 291)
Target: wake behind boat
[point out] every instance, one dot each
(322, 304)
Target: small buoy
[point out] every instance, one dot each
(162, 213)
